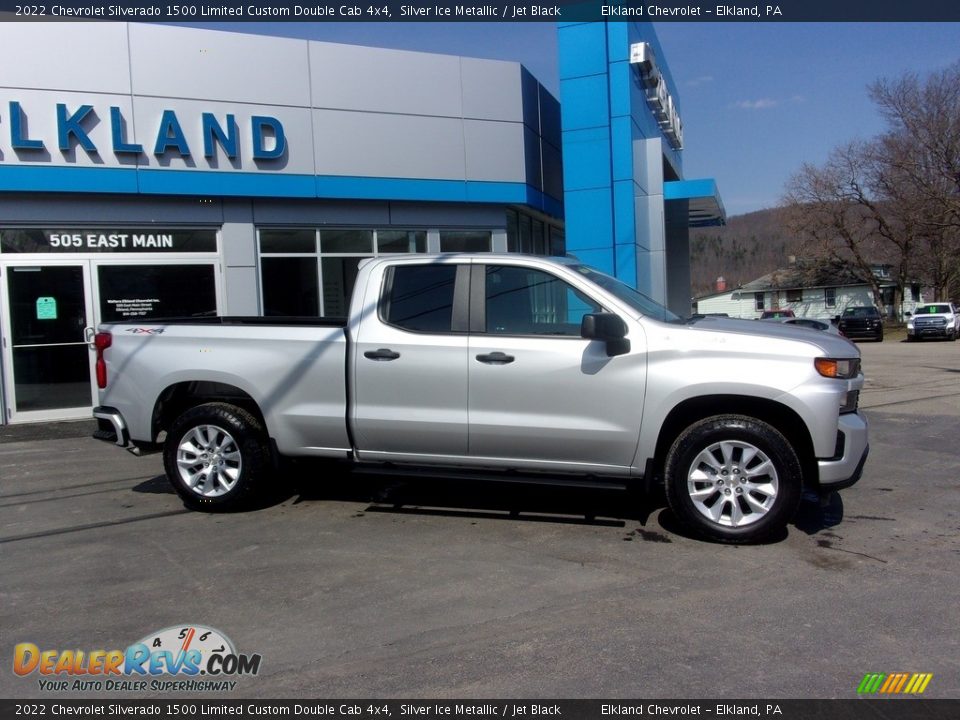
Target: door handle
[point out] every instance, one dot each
(496, 358)
(381, 355)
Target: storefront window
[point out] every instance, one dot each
(527, 234)
(558, 242)
(288, 241)
(401, 241)
(148, 292)
(290, 286)
(339, 277)
(346, 241)
(513, 231)
(311, 272)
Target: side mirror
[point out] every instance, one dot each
(609, 328)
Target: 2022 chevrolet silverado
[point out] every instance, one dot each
(503, 364)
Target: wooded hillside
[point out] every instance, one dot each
(747, 247)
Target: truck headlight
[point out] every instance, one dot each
(834, 368)
(910, 324)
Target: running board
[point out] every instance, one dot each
(389, 470)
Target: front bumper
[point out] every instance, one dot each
(842, 472)
(940, 331)
(861, 332)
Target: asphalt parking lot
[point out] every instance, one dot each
(362, 587)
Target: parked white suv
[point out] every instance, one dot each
(934, 320)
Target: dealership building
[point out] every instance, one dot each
(168, 171)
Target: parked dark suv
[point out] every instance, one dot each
(861, 322)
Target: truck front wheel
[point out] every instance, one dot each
(215, 456)
(733, 478)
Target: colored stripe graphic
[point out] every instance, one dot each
(871, 683)
(894, 683)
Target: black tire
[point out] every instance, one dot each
(680, 475)
(235, 466)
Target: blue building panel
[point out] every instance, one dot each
(621, 132)
(643, 147)
(584, 102)
(601, 258)
(621, 75)
(586, 160)
(582, 50)
(618, 37)
(688, 189)
(41, 178)
(626, 263)
(624, 212)
(241, 184)
(589, 219)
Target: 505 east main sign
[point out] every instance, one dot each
(169, 137)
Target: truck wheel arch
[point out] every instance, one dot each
(781, 417)
(180, 397)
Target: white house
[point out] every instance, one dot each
(821, 295)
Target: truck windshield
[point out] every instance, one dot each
(634, 298)
(930, 309)
(860, 312)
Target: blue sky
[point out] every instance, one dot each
(757, 99)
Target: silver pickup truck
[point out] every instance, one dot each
(501, 364)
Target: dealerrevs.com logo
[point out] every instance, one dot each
(187, 658)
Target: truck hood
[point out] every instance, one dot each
(825, 344)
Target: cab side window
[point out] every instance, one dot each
(420, 297)
(526, 301)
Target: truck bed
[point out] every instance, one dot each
(292, 368)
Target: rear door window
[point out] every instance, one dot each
(420, 297)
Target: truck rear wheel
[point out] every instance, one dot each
(733, 478)
(216, 456)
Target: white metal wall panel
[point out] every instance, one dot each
(495, 151)
(90, 57)
(491, 90)
(208, 65)
(347, 77)
(392, 146)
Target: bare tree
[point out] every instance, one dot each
(894, 199)
(920, 157)
(824, 206)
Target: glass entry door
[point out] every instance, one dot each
(46, 357)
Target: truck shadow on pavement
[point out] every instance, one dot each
(644, 514)
(488, 499)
